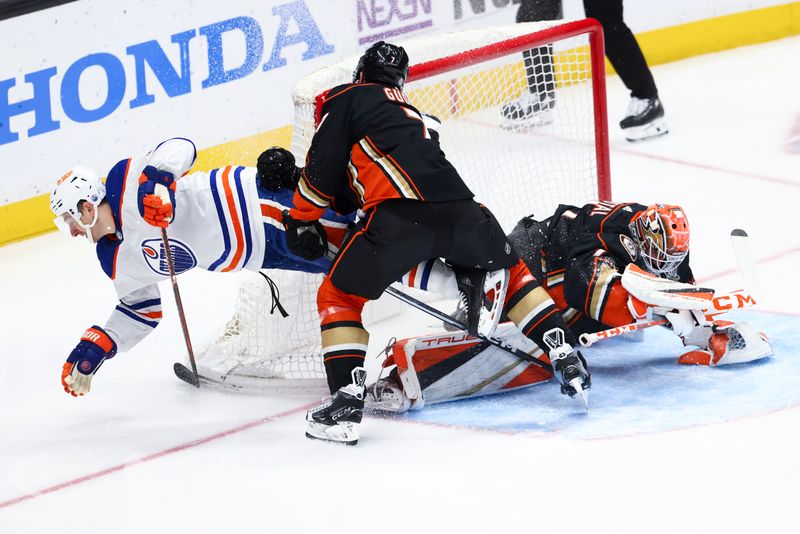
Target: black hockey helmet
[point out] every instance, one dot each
(383, 63)
(277, 170)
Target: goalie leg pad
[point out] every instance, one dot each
(450, 366)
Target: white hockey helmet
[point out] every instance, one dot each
(79, 183)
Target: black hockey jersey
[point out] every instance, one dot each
(579, 255)
(372, 145)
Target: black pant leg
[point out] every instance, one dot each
(539, 61)
(622, 49)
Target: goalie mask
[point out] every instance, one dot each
(383, 63)
(79, 183)
(662, 234)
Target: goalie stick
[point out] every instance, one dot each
(735, 300)
(747, 263)
(180, 370)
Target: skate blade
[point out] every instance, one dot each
(579, 392)
(343, 433)
(654, 129)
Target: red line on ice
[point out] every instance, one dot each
(151, 457)
(707, 167)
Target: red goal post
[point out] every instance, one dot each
(516, 168)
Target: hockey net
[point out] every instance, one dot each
(516, 166)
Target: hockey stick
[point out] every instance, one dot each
(180, 370)
(747, 263)
(437, 314)
(587, 340)
(721, 304)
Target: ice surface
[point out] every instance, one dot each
(665, 448)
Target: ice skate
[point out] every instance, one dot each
(482, 294)
(644, 119)
(531, 109)
(387, 395)
(337, 420)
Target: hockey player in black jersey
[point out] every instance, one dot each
(375, 152)
(582, 256)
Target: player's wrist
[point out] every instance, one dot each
(94, 347)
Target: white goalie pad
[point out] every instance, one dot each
(454, 365)
(657, 291)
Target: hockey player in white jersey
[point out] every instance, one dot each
(224, 220)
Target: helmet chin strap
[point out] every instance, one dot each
(88, 227)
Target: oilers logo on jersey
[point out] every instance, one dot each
(182, 256)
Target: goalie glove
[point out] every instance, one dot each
(307, 239)
(94, 348)
(156, 197)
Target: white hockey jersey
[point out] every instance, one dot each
(223, 222)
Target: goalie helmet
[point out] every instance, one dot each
(383, 63)
(662, 234)
(79, 183)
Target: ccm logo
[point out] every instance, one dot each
(726, 302)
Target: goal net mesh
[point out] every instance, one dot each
(518, 160)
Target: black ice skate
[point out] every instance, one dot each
(531, 109)
(644, 119)
(482, 295)
(337, 420)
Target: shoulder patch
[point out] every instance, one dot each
(629, 246)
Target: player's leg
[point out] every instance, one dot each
(481, 242)
(534, 106)
(386, 245)
(645, 115)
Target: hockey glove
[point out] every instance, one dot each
(307, 239)
(277, 169)
(568, 366)
(93, 349)
(156, 196)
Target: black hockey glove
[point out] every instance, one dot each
(568, 368)
(277, 169)
(307, 239)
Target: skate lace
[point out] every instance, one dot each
(385, 353)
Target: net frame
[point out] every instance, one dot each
(308, 96)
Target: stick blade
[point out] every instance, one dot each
(747, 262)
(186, 374)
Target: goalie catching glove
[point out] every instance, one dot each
(307, 239)
(94, 348)
(156, 196)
